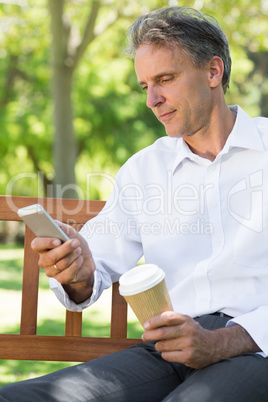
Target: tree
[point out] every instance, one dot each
(68, 49)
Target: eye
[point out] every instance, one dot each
(166, 79)
(144, 88)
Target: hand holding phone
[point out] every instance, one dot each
(73, 262)
(41, 223)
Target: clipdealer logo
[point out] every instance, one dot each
(252, 215)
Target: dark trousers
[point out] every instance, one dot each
(139, 374)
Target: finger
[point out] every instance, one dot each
(49, 258)
(164, 319)
(72, 274)
(165, 332)
(41, 244)
(65, 262)
(185, 357)
(177, 356)
(173, 344)
(169, 333)
(57, 269)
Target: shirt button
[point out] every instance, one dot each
(213, 168)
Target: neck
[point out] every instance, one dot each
(208, 142)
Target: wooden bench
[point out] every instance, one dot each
(72, 347)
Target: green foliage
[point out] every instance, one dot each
(25, 121)
(110, 117)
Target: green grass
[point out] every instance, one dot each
(51, 316)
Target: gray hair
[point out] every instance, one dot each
(199, 35)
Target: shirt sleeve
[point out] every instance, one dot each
(65, 300)
(254, 323)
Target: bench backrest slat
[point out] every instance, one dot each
(30, 282)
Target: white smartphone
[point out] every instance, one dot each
(41, 223)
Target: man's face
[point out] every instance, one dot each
(178, 93)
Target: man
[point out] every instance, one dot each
(193, 203)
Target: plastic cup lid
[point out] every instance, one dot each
(139, 279)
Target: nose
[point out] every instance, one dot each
(154, 98)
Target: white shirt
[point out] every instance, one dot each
(204, 223)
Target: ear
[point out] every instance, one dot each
(216, 69)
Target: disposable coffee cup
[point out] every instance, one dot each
(144, 289)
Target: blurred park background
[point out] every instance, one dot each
(71, 110)
(71, 113)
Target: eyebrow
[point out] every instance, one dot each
(157, 76)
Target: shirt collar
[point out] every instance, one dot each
(243, 135)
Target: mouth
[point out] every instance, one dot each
(166, 116)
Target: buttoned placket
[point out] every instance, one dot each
(213, 205)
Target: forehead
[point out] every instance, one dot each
(153, 60)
